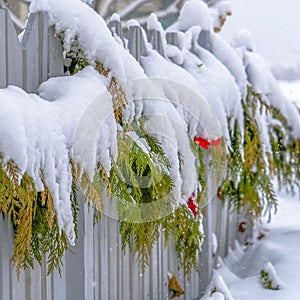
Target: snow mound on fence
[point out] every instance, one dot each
(37, 133)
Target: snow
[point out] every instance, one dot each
(277, 252)
(261, 78)
(35, 138)
(226, 54)
(274, 26)
(154, 24)
(194, 12)
(291, 90)
(115, 17)
(219, 86)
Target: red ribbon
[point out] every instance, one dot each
(206, 143)
(193, 205)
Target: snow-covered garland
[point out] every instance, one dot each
(39, 183)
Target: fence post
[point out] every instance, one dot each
(55, 55)
(3, 64)
(136, 42)
(13, 54)
(204, 40)
(30, 53)
(172, 38)
(116, 28)
(156, 40)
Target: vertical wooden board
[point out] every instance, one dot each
(43, 45)
(134, 279)
(159, 269)
(30, 47)
(96, 262)
(206, 258)
(16, 286)
(172, 38)
(116, 28)
(146, 285)
(164, 270)
(173, 263)
(154, 272)
(120, 265)
(223, 215)
(33, 282)
(5, 256)
(126, 274)
(103, 254)
(204, 40)
(58, 284)
(136, 42)
(112, 259)
(232, 227)
(13, 55)
(88, 252)
(75, 262)
(225, 226)
(3, 65)
(155, 38)
(182, 281)
(187, 288)
(55, 55)
(46, 281)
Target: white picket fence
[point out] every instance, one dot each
(99, 270)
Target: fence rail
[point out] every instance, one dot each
(99, 270)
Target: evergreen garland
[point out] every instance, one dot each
(248, 184)
(250, 172)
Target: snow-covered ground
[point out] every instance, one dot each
(277, 243)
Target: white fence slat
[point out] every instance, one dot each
(43, 45)
(96, 262)
(204, 40)
(88, 253)
(206, 258)
(146, 284)
(136, 42)
(232, 227)
(3, 65)
(103, 253)
(59, 283)
(120, 266)
(46, 281)
(172, 38)
(155, 38)
(16, 286)
(153, 270)
(112, 259)
(30, 46)
(134, 279)
(116, 28)
(33, 280)
(125, 275)
(164, 270)
(75, 263)
(5, 255)
(55, 56)
(13, 55)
